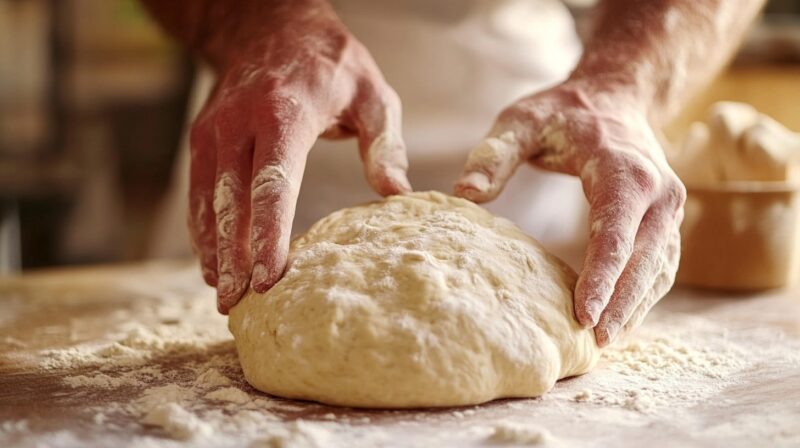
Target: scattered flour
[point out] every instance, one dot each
(230, 394)
(139, 345)
(186, 382)
(211, 378)
(667, 367)
(100, 381)
(159, 395)
(168, 375)
(669, 357)
(298, 434)
(584, 395)
(639, 401)
(520, 434)
(138, 377)
(177, 422)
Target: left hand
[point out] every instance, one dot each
(636, 200)
(295, 73)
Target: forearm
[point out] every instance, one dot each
(213, 28)
(661, 51)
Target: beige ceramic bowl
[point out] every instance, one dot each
(741, 236)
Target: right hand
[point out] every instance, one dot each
(295, 74)
(586, 129)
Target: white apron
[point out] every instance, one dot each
(455, 65)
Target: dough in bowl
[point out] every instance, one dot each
(418, 300)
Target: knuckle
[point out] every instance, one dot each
(640, 172)
(675, 194)
(270, 181)
(226, 228)
(618, 244)
(613, 245)
(281, 105)
(227, 191)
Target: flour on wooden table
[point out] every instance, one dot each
(169, 376)
(177, 421)
(297, 434)
(519, 434)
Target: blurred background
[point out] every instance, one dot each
(93, 101)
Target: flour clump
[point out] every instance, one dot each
(417, 300)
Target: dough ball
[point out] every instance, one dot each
(737, 143)
(415, 301)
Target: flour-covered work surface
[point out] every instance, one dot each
(137, 356)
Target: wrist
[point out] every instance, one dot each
(229, 29)
(610, 91)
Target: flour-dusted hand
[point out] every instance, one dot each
(286, 75)
(635, 198)
(640, 61)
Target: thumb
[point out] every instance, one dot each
(490, 165)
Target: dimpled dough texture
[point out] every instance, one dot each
(418, 300)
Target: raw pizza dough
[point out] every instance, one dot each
(418, 300)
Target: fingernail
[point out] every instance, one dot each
(476, 180)
(400, 180)
(229, 292)
(229, 289)
(612, 328)
(260, 278)
(593, 308)
(224, 302)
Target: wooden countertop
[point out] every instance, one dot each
(729, 374)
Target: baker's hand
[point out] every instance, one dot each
(284, 79)
(636, 200)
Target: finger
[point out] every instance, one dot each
(278, 164)
(615, 216)
(490, 165)
(232, 207)
(202, 219)
(377, 116)
(661, 285)
(646, 262)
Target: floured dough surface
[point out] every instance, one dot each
(418, 300)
